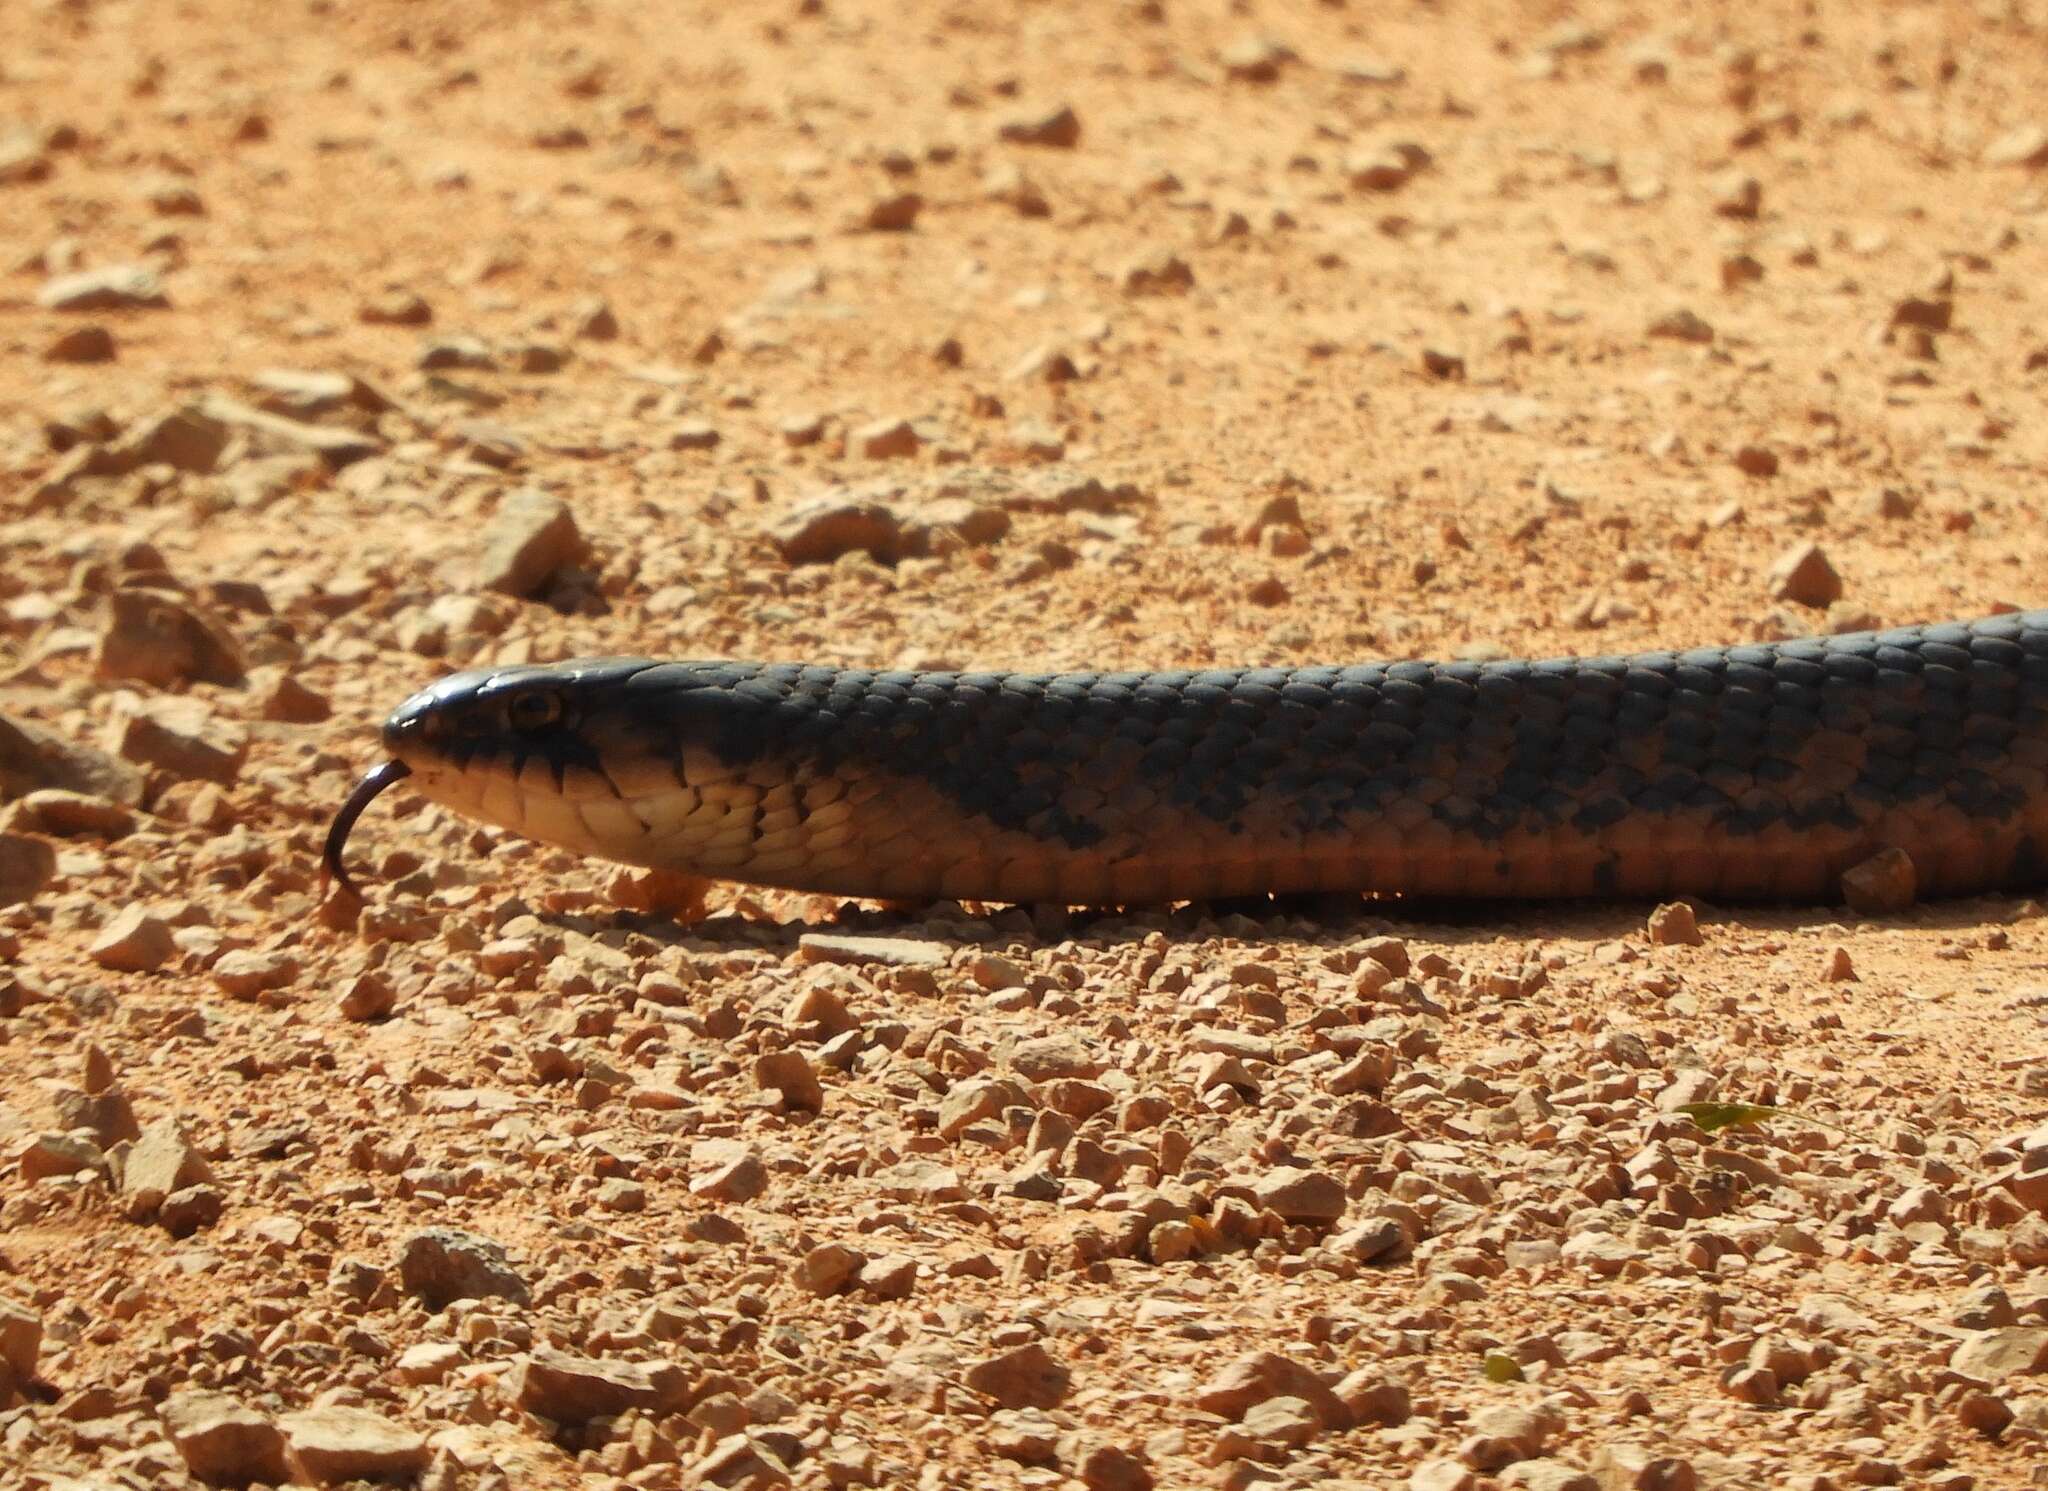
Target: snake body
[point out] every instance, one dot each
(1741, 772)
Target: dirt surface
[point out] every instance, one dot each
(1034, 335)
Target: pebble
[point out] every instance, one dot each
(791, 1076)
(1804, 575)
(823, 528)
(1994, 1355)
(885, 439)
(1262, 1375)
(161, 1163)
(85, 345)
(1162, 272)
(530, 537)
(2022, 145)
(1674, 925)
(1680, 324)
(827, 1268)
(1313, 1197)
(1058, 128)
(886, 952)
(113, 287)
(133, 941)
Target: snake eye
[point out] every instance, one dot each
(534, 711)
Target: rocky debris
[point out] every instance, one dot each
(133, 941)
(332, 1445)
(1681, 325)
(531, 537)
(395, 307)
(186, 439)
(247, 973)
(790, 1075)
(26, 866)
(1314, 1197)
(570, 1389)
(1159, 273)
(1385, 167)
(223, 1441)
(68, 815)
(1674, 925)
(888, 952)
(153, 637)
(2009, 1351)
(439, 1265)
(825, 527)
(113, 287)
(179, 736)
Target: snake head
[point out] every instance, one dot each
(491, 743)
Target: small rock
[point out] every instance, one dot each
(179, 735)
(592, 320)
(1261, 1375)
(1736, 194)
(65, 815)
(246, 973)
(1994, 1355)
(26, 866)
(1635, 1467)
(184, 1212)
(113, 287)
(1804, 576)
(1313, 1197)
(821, 529)
(1680, 324)
(395, 308)
(442, 1264)
(160, 1164)
(1385, 168)
(1058, 128)
(827, 1268)
(891, 212)
(49, 1155)
(223, 1441)
(1548, 1475)
(892, 1276)
(1046, 1057)
(1756, 460)
(1108, 1468)
(1160, 273)
(133, 942)
(1028, 1377)
(885, 439)
(21, 1343)
(790, 1074)
(1674, 925)
(1886, 883)
(575, 1389)
(282, 698)
(91, 343)
(427, 1362)
(529, 538)
(162, 639)
(188, 439)
(334, 1444)
(369, 996)
(2023, 145)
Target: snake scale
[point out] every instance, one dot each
(1745, 772)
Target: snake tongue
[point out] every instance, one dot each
(379, 778)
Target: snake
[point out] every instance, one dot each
(1764, 771)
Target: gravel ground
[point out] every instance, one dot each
(347, 345)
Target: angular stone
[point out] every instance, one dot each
(529, 538)
(181, 736)
(335, 1444)
(26, 866)
(159, 1163)
(1804, 575)
(223, 1441)
(827, 1268)
(1994, 1355)
(969, 1102)
(32, 757)
(790, 1074)
(1027, 1377)
(441, 1264)
(111, 287)
(64, 814)
(21, 1343)
(1045, 1057)
(154, 637)
(185, 439)
(248, 972)
(820, 529)
(133, 942)
(48, 1155)
(1308, 1196)
(575, 1389)
(1261, 1375)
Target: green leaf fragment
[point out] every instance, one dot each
(1500, 1367)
